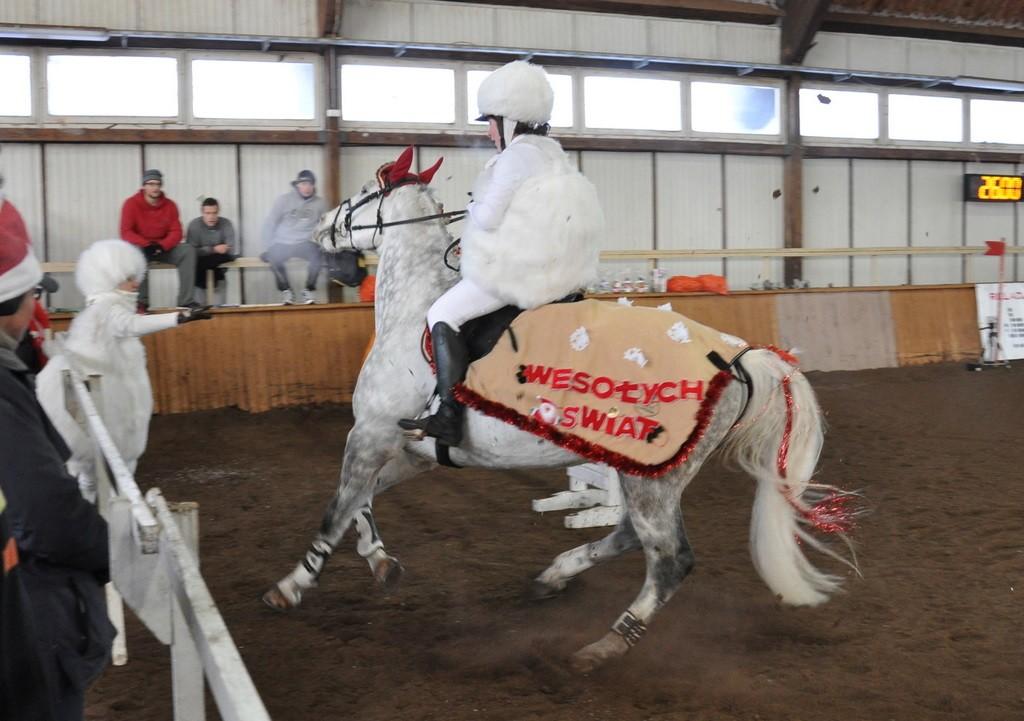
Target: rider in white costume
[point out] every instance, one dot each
(104, 339)
(531, 235)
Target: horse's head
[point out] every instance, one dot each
(360, 222)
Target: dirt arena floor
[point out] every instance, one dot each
(933, 630)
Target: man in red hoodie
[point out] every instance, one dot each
(149, 219)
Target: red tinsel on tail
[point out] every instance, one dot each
(833, 514)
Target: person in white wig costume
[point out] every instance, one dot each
(104, 339)
(531, 234)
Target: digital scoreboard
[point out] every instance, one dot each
(993, 188)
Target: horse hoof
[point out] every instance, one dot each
(388, 573)
(593, 656)
(540, 591)
(276, 599)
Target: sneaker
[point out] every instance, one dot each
(287, 297)
(307, 297)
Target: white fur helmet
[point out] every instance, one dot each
(517, 91)
(106, 264)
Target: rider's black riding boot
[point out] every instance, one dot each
(452, 359)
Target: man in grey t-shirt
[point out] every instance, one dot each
(213, 237)
(288, 233)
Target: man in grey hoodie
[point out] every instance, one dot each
(288, 233)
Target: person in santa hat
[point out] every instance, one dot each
(104, 339)
(531, 235)
(58, 547)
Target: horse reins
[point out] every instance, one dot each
(380, 225)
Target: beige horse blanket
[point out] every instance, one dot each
(628, 386)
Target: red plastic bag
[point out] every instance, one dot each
(683, 284)
(706, 283)
(368, 288)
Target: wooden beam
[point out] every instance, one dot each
(793, 185)
(721, 10)
(799, 24)
(850, 22)
(327, 12)
(668, 145)
(332, 151)
(882, 153)
(159, 135)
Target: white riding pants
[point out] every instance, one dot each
(463, 301)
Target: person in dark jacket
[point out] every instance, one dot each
(60, 538)
(24, 695)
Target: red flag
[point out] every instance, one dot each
(995, 247)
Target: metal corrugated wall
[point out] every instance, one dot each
(443, 22)
(676, 199)
(690, 213)
(880, 218)
(936, 219)
(625, 185)
(95, 13)
(753, 218)
(187, 15)
(906, 55)
(826, 215)
(253, 17)
(85, 188)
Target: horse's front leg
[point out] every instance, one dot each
(362, 475)
(386, 569)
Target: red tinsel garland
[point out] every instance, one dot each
(833, 514)
(592, 451)
(783, 354)
(783, 459)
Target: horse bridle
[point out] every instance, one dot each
(380, 225)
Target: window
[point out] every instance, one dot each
(561, 112)
(103, 85)
(997, 121)
(397, 93)
(838, 113)
(734, 108)
(926, 117)
(253, 90)
(632, 103)
(15, 85)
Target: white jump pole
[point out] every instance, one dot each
(115, 604)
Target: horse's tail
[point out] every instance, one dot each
(778, 441)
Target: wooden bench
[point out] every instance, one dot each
(240, 262)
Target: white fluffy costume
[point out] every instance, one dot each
(104, 339)
(533, 226)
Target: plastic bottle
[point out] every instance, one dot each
(626, 285)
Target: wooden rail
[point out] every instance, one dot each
(678, 254)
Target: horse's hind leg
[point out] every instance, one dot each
(658, 522)
(573, 562)
(653, 507)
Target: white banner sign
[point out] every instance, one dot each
(1011, 335)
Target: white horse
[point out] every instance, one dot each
(407, 227)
